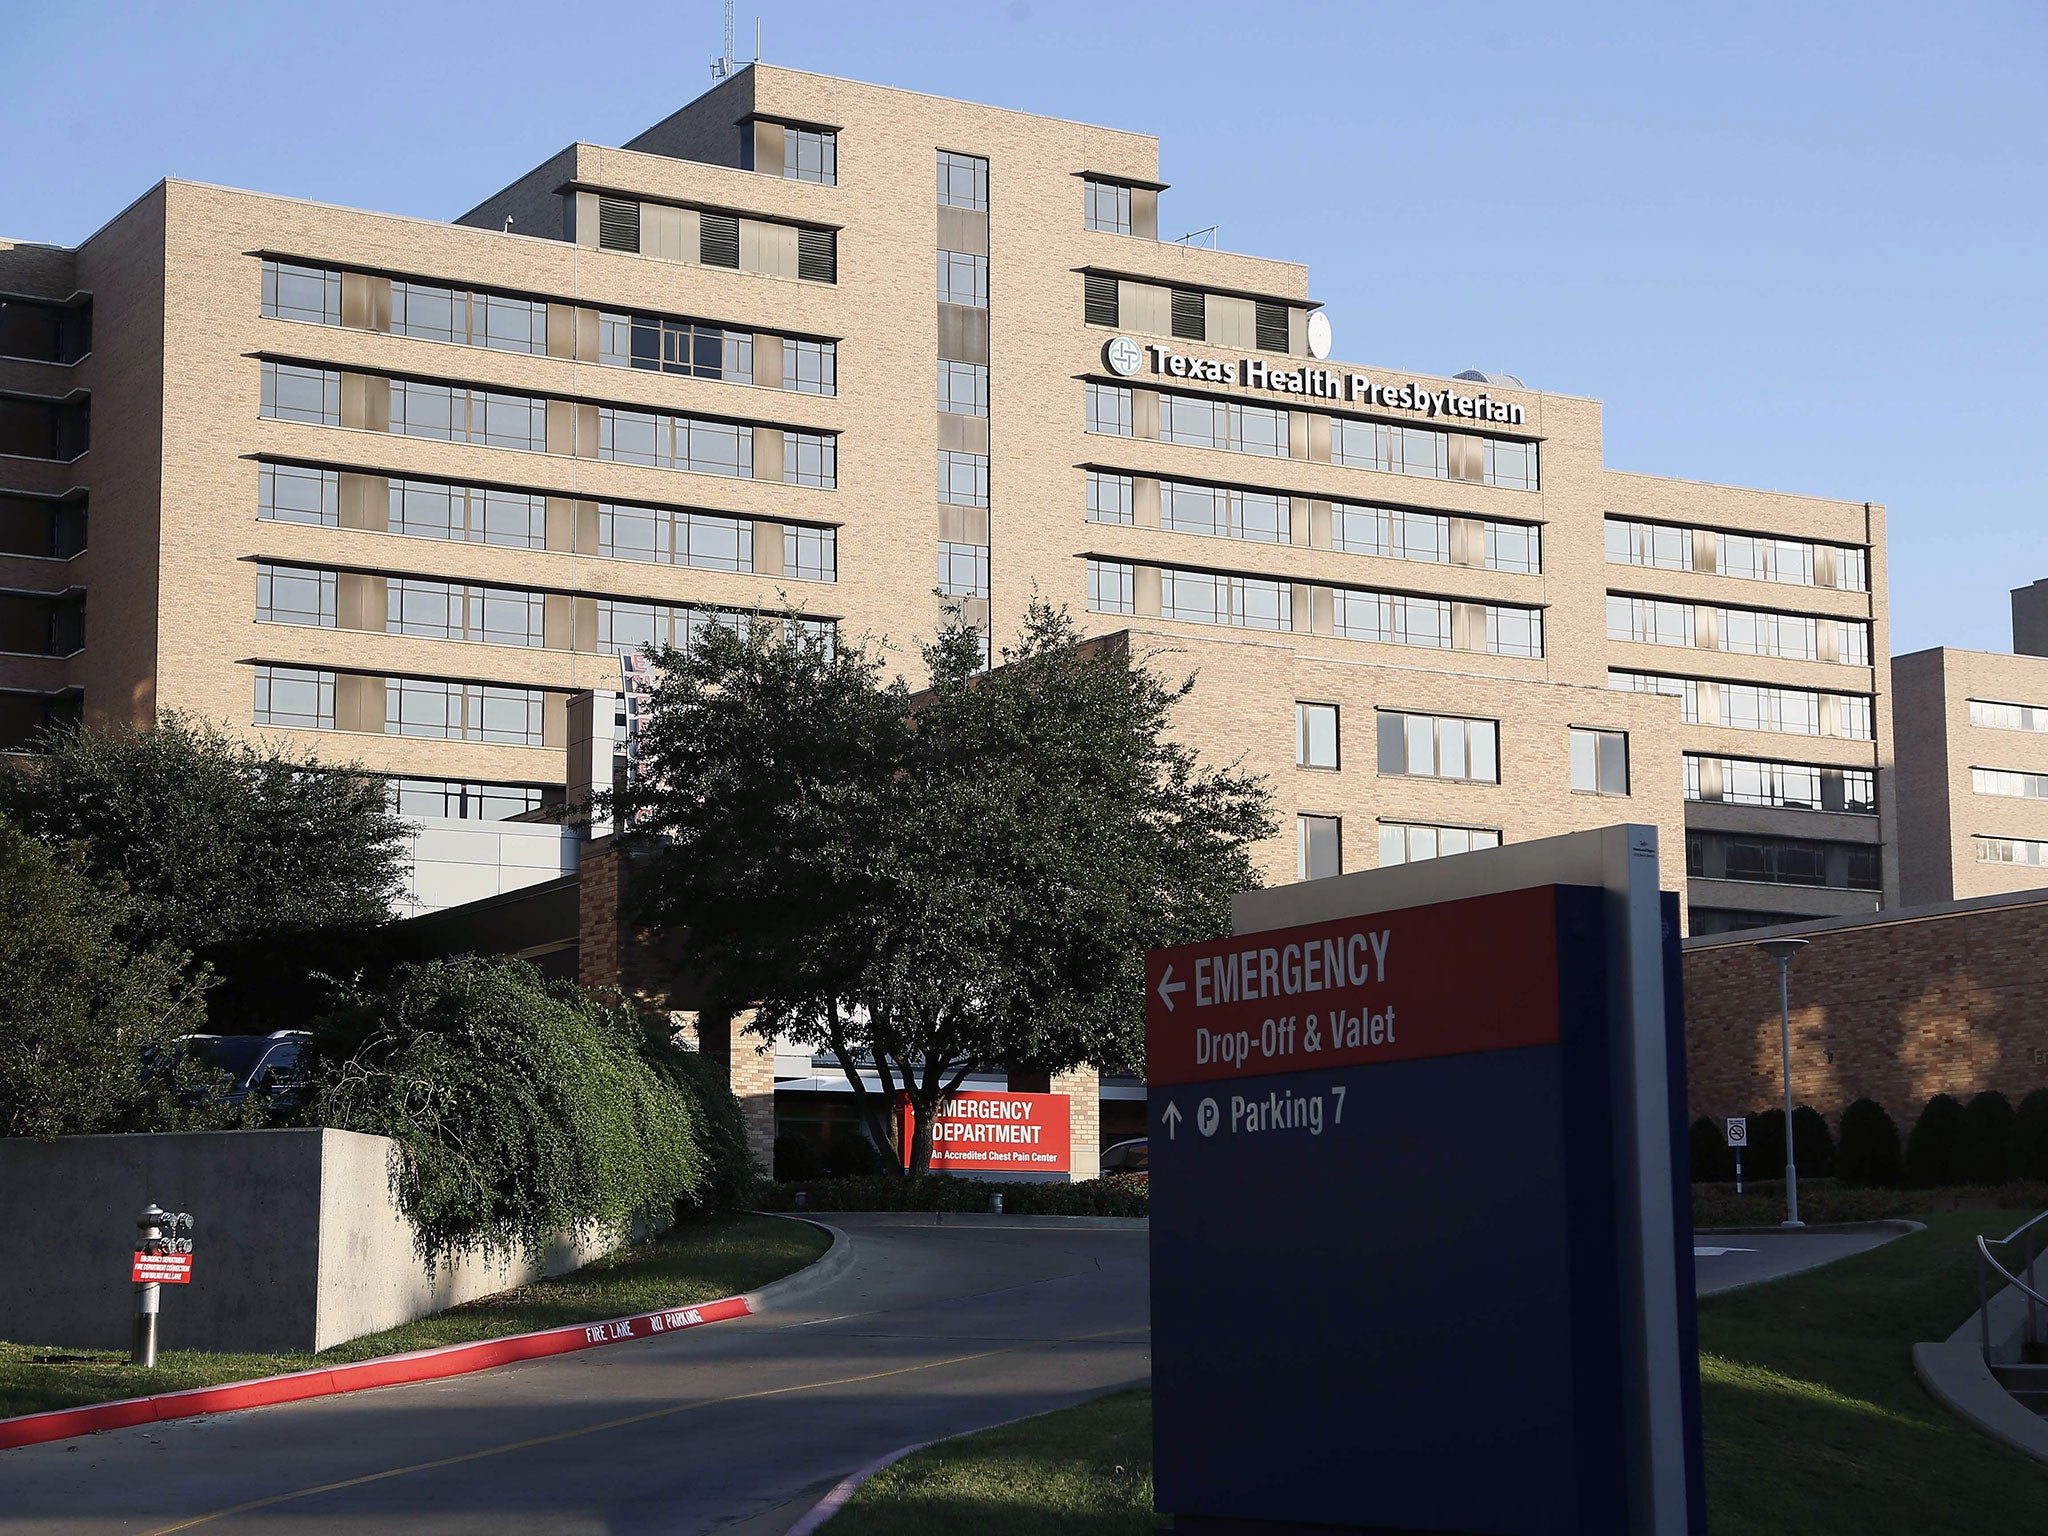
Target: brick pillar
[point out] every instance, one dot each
(749, 1064)
(1083, 1089)
(598, 962)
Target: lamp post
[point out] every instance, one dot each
(1782, 951)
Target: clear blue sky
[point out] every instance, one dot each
(1798, 246)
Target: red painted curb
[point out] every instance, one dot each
(389, 1371)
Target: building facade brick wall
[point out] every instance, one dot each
(1950, 999)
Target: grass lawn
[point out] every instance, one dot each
(1814, 1419)
(1814, 1423)
(698, 1261)
(1085, 1470)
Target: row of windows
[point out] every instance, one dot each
(2011, 850)
(1782, 786)
(1319, 843)
(1432, 455)
(1758, 707)
(462, 414)
(1257, 603)
(1741, 631)
(465, 801)
(435, 509)
(1751, 557)
(1783, 861)
(668, 232)
(489, 615)
(1198, 421)
(2008, 782)
(1266, 517)
(303, 698)
(507, 324)
(1437, 747)
(2008, 717)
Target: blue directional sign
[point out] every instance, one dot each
(1389, 1276)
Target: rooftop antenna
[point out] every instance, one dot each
(1201, 237)
(722, 66)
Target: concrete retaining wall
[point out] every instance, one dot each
(298, 1242)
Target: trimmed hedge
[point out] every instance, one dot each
(1870, 1153)
(2030, 1136)
(1931, 1146)
(1984, 1140)
(1119, 1194)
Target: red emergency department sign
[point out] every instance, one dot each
(999, 1133)
(1472, 975)
(163, 1269)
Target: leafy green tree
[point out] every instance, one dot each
(523, 1108)
(214, 839)
(88, 1024)
(926, 884)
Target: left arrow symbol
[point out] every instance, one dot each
(1171, 1116)
(1168, 986)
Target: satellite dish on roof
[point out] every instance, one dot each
(1476, 377)
(1318, 334)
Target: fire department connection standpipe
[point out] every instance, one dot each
(142, 1345)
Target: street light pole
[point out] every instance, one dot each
(1782, 951)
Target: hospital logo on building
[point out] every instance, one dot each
(1124, 356)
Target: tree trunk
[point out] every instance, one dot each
(876, 1109)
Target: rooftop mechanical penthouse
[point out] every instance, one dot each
(398, 490)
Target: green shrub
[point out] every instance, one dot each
(1984, 1139)
(521, 1108)
(1120, 1194)
(796, 1157)
(1712, 1157)
(1813, 1144)
(851, 1157)
(1764, 1157)
(1870, 1152)
(2030, 1136)
(1931, 1145)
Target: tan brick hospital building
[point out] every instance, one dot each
(396, 490)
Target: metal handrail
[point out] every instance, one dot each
(2035, 1300)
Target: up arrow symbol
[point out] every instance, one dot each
(1171, 1115)
(1168, 986)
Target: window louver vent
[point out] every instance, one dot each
(1101, 304)
(718, 244)
(618, 225)
(817, 255)
(1272, 321)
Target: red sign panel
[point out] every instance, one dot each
(163, 1268)
(999, 1133)
(1472, 975)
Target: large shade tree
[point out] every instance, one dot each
(923, 884)
(89, 1024)
(214, 839)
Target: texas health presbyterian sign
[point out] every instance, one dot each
(1421, 1253)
